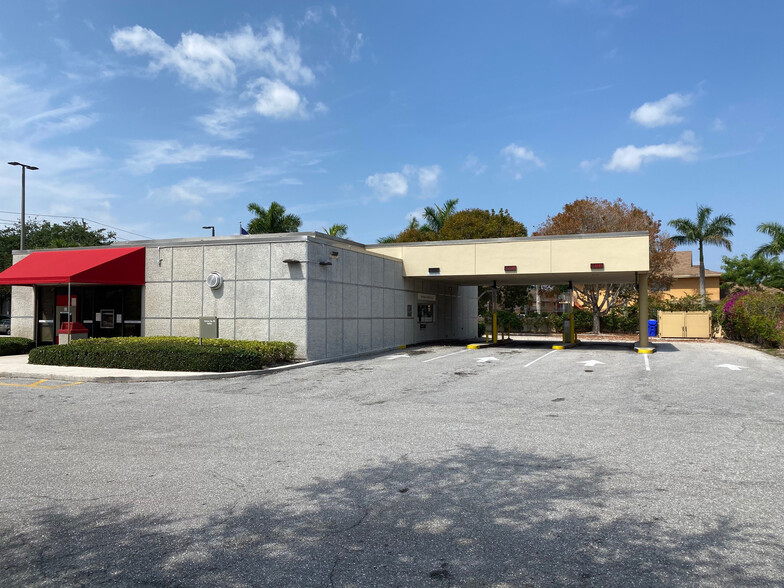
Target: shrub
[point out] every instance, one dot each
(15, 345)
(755, 317)
(583, 320)
(166, 353)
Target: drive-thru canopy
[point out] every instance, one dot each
(615, 258)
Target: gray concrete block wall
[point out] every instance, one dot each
(22, 307)
(359, 304)
(262, 297)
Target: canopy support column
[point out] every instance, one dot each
(493, 302)
(643, 346)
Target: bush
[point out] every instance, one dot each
(755, 317)
(583, 320)
(15, 345)
(182, 354)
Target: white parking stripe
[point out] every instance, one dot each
(443, 356)
(538, 358)
(647, 363)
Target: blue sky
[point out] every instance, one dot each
(161, 117)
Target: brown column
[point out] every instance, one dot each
(642, 282)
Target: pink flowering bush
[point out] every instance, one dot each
(755, 317)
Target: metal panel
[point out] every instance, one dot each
(697, 324)
(208, 327)
(671, 324)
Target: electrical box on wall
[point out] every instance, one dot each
(208, 327)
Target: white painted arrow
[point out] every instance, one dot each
(486, 359)
(591, 362)
(399, 356)
(734, 368)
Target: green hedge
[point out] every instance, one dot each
(15, 345)
(182, 354)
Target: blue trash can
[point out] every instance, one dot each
(652, 324)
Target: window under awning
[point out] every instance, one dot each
(115, 266)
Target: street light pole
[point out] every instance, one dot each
(22, 228)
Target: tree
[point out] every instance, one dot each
(593, 215)
(713, 231)
(436, 217)
(337, 230)
(752, 272)
(776, 246)
(46, 235)
(475, 223)
(272, 220)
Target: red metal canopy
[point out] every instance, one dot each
(115, 265)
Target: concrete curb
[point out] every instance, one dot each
(70, 376)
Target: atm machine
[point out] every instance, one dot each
(65, 312)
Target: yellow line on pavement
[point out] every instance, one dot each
(39, 384)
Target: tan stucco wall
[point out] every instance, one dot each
(535, 256)
(691, 287)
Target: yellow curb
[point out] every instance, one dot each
(646, 350)
(559, 346)
(473, 346)
(401, 346)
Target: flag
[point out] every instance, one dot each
(242, 230)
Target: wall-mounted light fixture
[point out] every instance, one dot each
(325, 263)
(334, 254)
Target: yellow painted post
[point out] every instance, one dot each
(572, 337)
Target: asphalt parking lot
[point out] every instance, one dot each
(431, 466)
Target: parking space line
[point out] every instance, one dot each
(39, 384)
(538, 358)
(443, 356)
(647, 363)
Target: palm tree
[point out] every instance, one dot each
(336, 230)
(776, 246)
(436, 217)
(272, 220)
(713, 231)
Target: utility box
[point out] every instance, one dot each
(685, 324)
(208, 327)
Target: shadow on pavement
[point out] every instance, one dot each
(475, 517)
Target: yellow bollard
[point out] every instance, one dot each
(495, 327)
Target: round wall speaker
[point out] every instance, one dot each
(215, 280)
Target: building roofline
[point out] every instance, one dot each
(512, 239)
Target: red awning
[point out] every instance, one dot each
(115, 265)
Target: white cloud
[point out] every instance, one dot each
(222, 122)
(275, 99)
(631, 158)
(359, 40)
(212, 61)
(194, 191)
(519, 159)
(661, 112)
(428, 179)
(33, 115)
(151, 154)
(387, 185)
(473, 165)
(718, 125)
